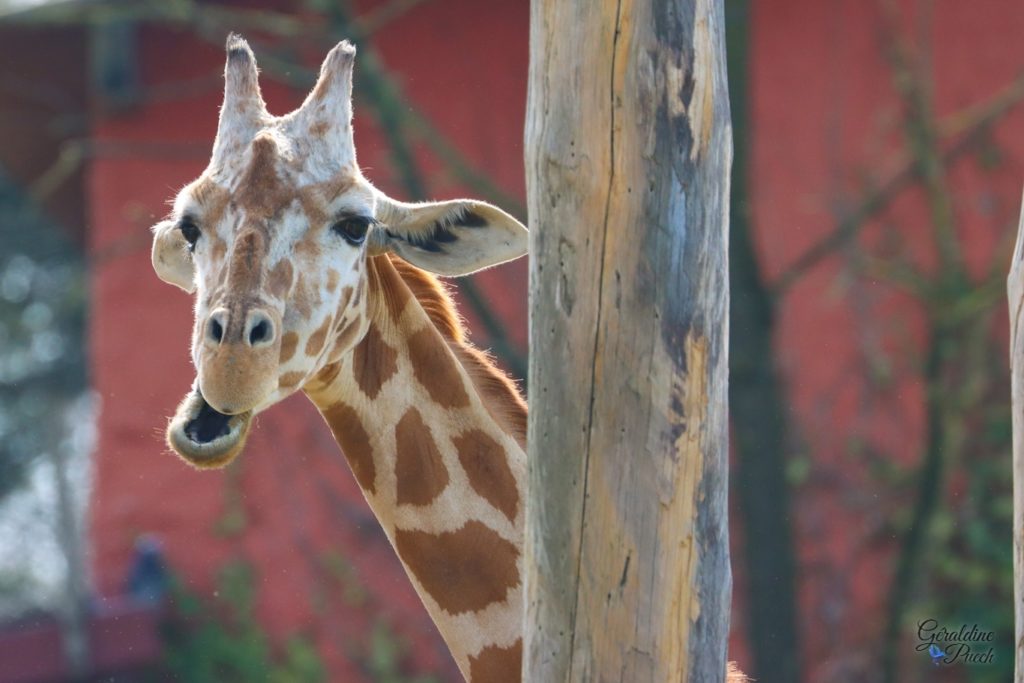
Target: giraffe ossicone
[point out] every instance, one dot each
(306, 277)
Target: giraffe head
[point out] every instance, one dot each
(273, 240)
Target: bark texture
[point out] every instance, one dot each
(628, 155)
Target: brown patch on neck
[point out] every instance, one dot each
(435, 368)
(464, 570)
(419, 469)
(497, 664)
(500, 395)
(486, 465)
(387, 288)
(431, 294)
(347, 330)
(373, 362)
(350, 434)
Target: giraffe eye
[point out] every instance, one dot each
(353, 229)
(190, 231)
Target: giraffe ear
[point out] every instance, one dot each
(171, 258)
(454, 238)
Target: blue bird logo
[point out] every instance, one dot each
(936, 653)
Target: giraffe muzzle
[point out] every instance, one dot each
(204, 437)
(238, 358)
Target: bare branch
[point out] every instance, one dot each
(965, 128)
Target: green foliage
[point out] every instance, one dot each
(966, 575)
(218, 640)
(973, 563)
(223, 642)
(384, 655)
(353, 593)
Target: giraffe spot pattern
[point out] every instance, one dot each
(245, 268)
(261, 193)
(393, 291)
(315, 199)
(435, 368)
(219, 251)
(464, 570)
(280, 280)
(350, 434)
(332, 279)
(343, 303)
(347, 331)
(308, 247)
(327, 374)
(486, 464)
(373, 363)
(289, 342)
(212, 198)
(315, 344)
(302, 298)
(420, 473)
(290, 380)
(497, 664)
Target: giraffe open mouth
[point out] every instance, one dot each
(204, 437)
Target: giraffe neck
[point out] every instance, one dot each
(438, 452)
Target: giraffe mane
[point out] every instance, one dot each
(499, 392)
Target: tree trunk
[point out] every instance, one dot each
(758, 405)
(628, 152)
(1015, 298)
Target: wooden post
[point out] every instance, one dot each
(1015, 299)
(628, 152)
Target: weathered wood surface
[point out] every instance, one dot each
(1015, 298)
(628, 150)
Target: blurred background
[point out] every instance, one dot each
(876, 191)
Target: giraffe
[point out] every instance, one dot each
(307, 278)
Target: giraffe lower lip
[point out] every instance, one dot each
(208, 425)
(205, 437)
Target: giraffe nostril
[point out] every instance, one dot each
(260, 332)
(259, 329)
(215, 329)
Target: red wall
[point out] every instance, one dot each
(826, 124)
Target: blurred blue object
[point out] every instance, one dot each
(148, 580)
